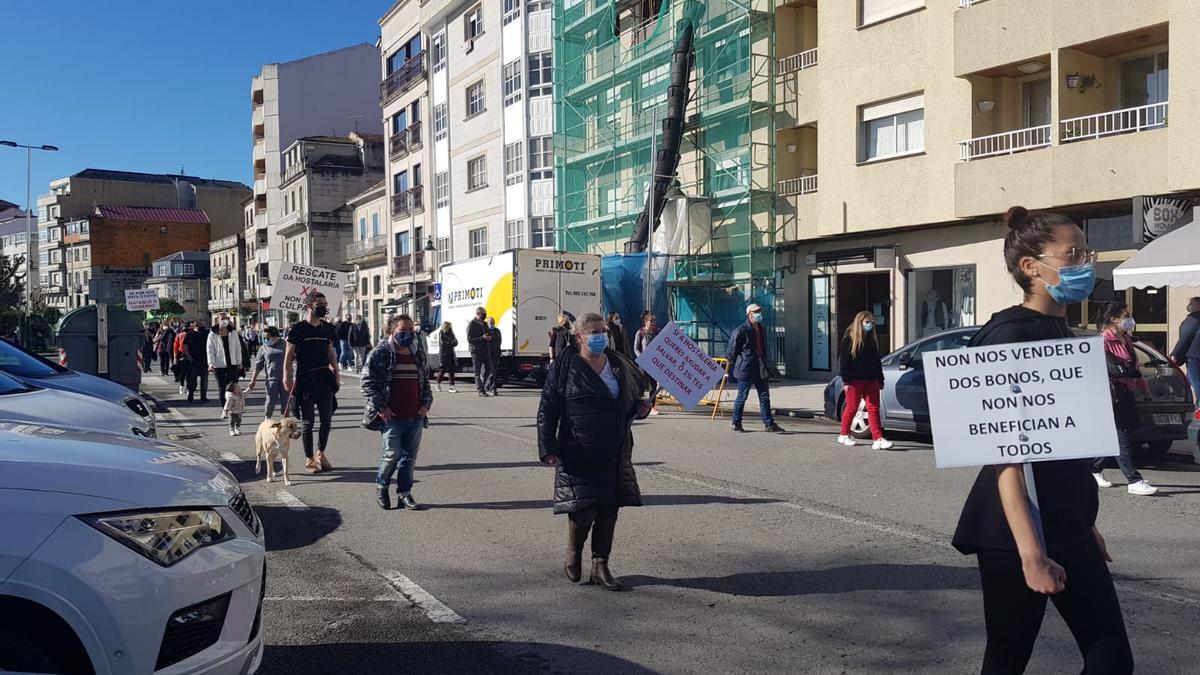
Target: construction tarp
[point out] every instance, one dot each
(623, 283)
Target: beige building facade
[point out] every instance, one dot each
(367, 292)
(893, 172)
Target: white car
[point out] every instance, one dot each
(124, 555)
(23, 402)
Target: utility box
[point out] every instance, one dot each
(104, 341)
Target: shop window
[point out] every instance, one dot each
(939, 300)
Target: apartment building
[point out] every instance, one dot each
(122, 207)
(228, 276)
(320, 173)
(183, 277)
(332, 93)
(367, 292)
(15, 226)
(892, 172)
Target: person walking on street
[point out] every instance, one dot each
(479, 340)
(148, 349)
(1021, 566)
(862, 378)
(616, 335)
(396, 388)
(447, 359)
(641, 340)
(494, 354)
(163, 346)
(360, 341)
(195, 346)
(269, 362)
(234, 407)
(345, 354)
(224, 354)
(747, 356)
(180, 363)
(585, 431)
(561, 336)
(311, 355)
(252, 340)
(1126, 384)
(1186, 353)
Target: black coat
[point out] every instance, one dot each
(475, 332)
(866, 367)
(1188, 346)
(447, 359)
(590, 432)
(561, 339)
(744, 362)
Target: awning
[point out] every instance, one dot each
(1171, 260)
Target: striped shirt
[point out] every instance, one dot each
(405, 399)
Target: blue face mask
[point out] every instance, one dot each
(404, 338)
(868, 326)
(756, 317)
(1075, 283)
(597, 342)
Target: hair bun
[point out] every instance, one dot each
(1015, 217)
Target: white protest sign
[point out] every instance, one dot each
(680, 366)
(295, 282)
(1020, 402)
(141, 299)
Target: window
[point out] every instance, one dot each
(540, 79)
(363, 284)
(439, 51)
(512, 11)
(400, 183)
(513, 171)
(940, 299)
(362, 228)
(477, 173)
(188, 269)
(374, 224)
(541, 158)
(399, 121)
(87, 252)
(478, 242)
(543, 231)
(893, 128)
(473, 23)
(377, 284)
(514, 234)
(441, 189)
(512, 82)
(439, 122)
(1144, 80)
(475, 103)
(874, 11)
(302, 197)
(409, 50)
(443, 250)
(416, 175)
(539, 5)
(402, 244)
(189, 294)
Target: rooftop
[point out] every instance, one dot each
(153, 214)
(345, 140)
(138, 177)
(16, 225)
(185, 256)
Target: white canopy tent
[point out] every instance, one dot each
(1171, 260)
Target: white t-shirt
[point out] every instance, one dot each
(610, 379)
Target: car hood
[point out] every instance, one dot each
(82, 383)
(78, 411)
(140, 472)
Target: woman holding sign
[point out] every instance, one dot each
(1047, 256)
(1125, 381)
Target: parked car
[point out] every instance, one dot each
(904, 405)
(23, 402)
(124, 556)
(32, 369)
(1194, 436)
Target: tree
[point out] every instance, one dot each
(169, 307)
(12, 282)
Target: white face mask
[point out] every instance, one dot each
(1128, 324)
(868, 326)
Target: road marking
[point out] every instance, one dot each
(322, 598)
(229, 456)
(433, 608)
(290, 500)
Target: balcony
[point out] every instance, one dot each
(963, 4)
(1005, 143)
(367, 248)
(1127, 121)
(248, 294)
(256, 90)
(405, 140)
(797, 62)
(414, 136)
(408, 265)
(221, 272)
(402, 79)
(803, 185)
(257, 118)
(260, 187)
(408, 203)
(260, 154)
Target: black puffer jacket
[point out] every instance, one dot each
(590, 432)
(866, 367)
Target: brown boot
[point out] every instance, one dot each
(576, 536)
(602, 576)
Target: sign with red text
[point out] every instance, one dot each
(141, 299)
(295, 282)
(1020, 402)
(680, 366)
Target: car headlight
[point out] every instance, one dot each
(166, 537)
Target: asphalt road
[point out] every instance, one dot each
(754, 553)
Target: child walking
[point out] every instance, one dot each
(235, 405)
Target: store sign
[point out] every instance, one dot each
(1020, 402)
(1158, 216)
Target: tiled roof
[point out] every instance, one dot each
(137, 177)
(372, 138)
(156, 214)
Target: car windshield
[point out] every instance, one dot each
(17, 361)
(10, 386)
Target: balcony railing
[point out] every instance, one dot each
(798, 186)
(247, 294)
(408, 203)
(367, 247)
(408, 265)
(963, 4)
(220, 272)
(414, 136)
(399, 144)
(402, 79)
(1005, 143)
(805, 59)
(1129, 120)
(416, 199)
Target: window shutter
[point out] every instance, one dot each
(878, 10)
(894, 107)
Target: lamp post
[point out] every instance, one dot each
(29, 224)
(430, 248)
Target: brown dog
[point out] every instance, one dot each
(272, 441)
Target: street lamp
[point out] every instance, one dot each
(28, 223)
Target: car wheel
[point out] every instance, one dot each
(860, 426)
(1158, 449)
(41, 645)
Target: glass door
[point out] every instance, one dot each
(1037, 103)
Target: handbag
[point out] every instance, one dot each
(767, 370)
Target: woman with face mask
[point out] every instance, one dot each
(1126, 384)
(311, 354)
(1048, 257)
(585, 420)
(862, 378)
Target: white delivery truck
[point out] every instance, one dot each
(523, 290)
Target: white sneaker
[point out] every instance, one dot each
(1142, 488)
(233, 432)
(452, 390)
(224, 415)
(882, 444)
(1101, 480)
(437, 387)
(847, 441)
(182, 390)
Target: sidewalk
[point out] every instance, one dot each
(789, 398)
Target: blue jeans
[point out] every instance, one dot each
(345, 354)
(1193, 374)
(401, 440)
(764, 401)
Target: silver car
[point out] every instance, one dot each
(23, 402)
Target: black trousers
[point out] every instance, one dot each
(226, 377)
(603, 525)
(164, 363)
(314, 397)
(197, 374)
(485, 371)
(1013, 613)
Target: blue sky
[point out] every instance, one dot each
(151, 85)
